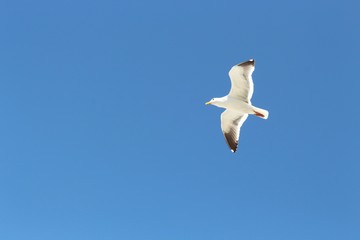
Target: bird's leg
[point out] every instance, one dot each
(259, 114)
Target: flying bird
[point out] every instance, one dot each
(237, 103)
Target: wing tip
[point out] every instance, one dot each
(247, 63)
(232, 143)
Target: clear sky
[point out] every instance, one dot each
(104, 133)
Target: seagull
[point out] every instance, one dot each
(237, 103)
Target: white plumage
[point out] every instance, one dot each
(237, 103)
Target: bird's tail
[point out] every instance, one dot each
(260, 112)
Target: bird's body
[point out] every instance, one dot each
(233, 104)
(237, 102)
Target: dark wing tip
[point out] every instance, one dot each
(234, 149)
(231, 141)
(247, 63)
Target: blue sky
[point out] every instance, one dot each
(104, 133)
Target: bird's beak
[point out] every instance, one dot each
(207, 103)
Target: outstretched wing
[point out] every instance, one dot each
(242, 86)
(231, 122)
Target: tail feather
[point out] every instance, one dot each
(261, 112)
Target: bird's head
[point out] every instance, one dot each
(219, 102)
(210, 102)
